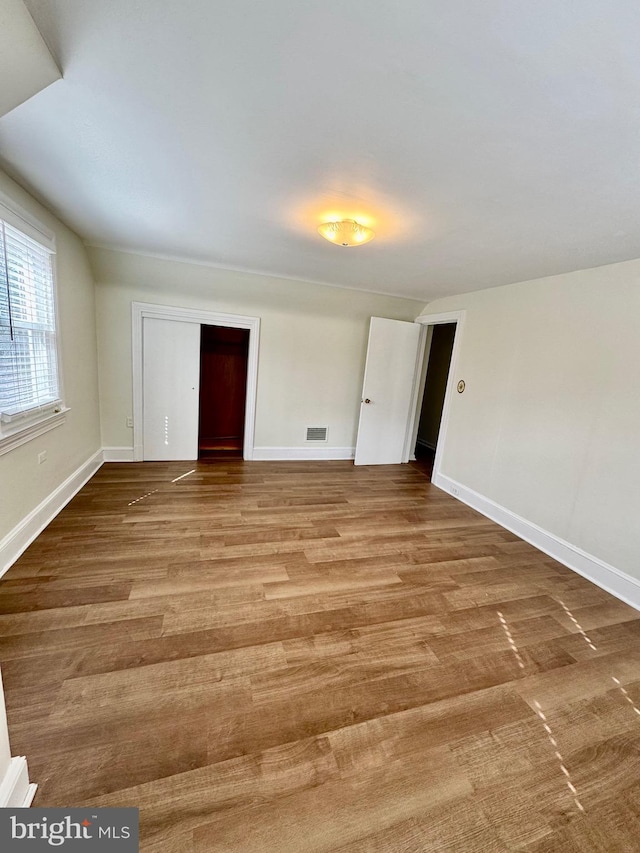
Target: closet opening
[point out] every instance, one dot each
(224, 356)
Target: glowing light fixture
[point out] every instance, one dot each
(347, 232)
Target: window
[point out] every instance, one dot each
(30, 393)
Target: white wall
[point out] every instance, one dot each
(312, 341)
(549, 424)
(25, 483)
(15, 789)
(5, 751)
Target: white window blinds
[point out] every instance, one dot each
(28, 351)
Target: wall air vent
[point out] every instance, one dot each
(317, 433)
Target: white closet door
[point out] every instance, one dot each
(171, 389)
(389, 379)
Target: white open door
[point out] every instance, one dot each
(171, 389)
(388, 391)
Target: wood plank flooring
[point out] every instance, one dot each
(317, 658)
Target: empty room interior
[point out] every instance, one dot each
(320, 422)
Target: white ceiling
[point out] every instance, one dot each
(486, 142)
(26, 65)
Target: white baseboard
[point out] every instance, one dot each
(260, 454)
(23, 534)
(279, 454)
(15, 789)
(618, 583)
(118, 454)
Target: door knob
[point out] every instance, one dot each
(366, 400)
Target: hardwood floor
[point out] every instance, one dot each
(305, 657)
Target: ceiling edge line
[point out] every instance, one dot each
(212, 265)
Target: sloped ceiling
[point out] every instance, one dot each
(485, 142)
(26, 65)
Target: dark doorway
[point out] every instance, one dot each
(224, 354)
(435, 387)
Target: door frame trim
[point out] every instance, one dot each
(140, 310)
(427, 320)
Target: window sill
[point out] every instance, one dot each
(33, 430)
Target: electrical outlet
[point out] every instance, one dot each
(130, 422)
(454, 490)
(42, 457)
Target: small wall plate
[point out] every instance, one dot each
(461, 386)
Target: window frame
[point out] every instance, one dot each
(25, 427)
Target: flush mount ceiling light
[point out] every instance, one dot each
(347, 232)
